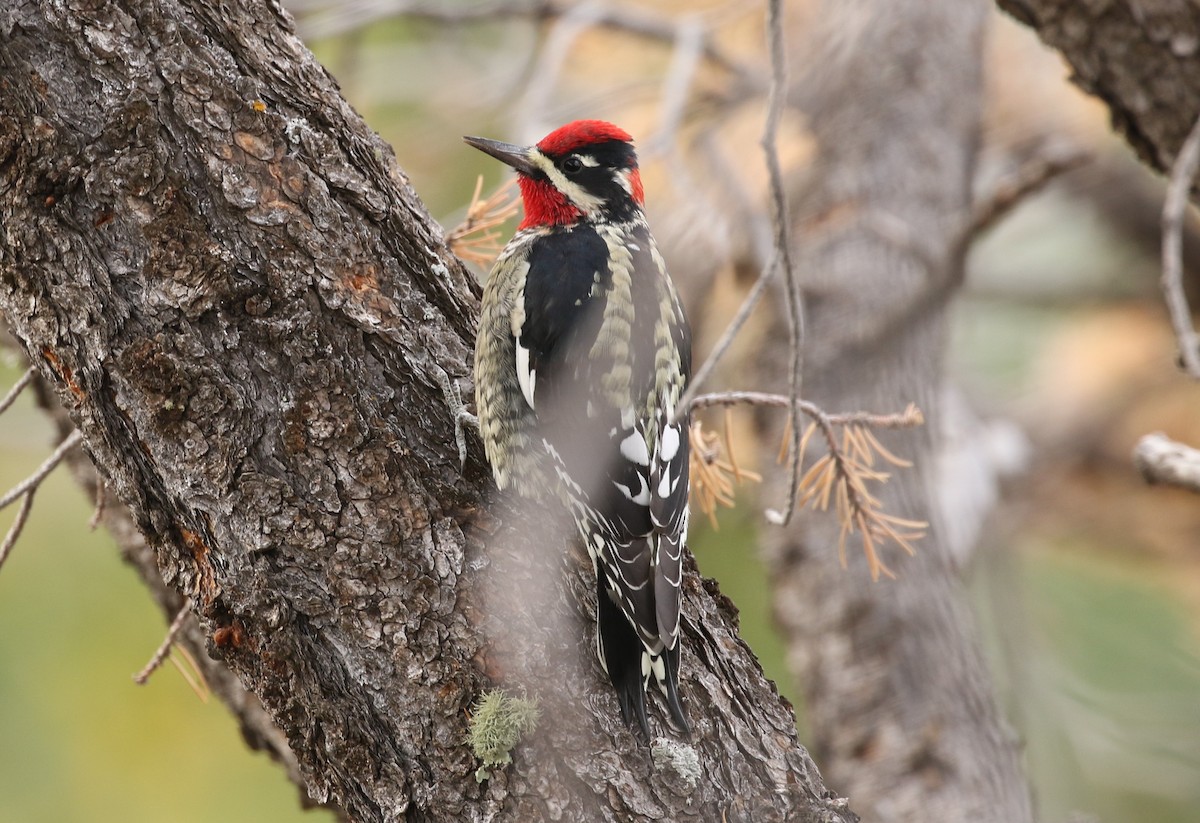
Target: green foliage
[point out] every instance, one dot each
(498, 721)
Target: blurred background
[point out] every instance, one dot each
(1087, 581)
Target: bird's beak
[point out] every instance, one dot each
(515, 156)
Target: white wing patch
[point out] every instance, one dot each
(526, 376)
(670, 444)
(633, 449)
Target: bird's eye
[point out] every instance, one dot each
(572, 165)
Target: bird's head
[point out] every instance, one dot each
(584, 171)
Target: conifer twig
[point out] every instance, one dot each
(475, 239)
(839, 479)
(34, 480)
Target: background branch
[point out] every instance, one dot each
(1183, 173)
(1162, 460)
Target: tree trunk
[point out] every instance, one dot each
(257, 328)
(902, 708)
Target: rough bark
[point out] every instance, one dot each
(244, 308)
(902, 709)
(1141, 58)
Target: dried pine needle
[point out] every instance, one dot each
(475, 239)
(844, 477)
(714, 479)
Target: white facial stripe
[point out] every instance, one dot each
(588, 160)
(574, 192)
(622, 178)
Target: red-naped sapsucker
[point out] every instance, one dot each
(583, 353)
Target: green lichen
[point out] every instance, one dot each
(498, 721)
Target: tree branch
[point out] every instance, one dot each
(1162, 460)
(1183, 172)
(250, 319)
(900, 701)
(326, 19)
(1141, 59)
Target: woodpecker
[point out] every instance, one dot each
(582, 355)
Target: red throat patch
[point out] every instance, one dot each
(546, 205)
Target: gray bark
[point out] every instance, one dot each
(241, 304)
(902, 709)
(1141, 57)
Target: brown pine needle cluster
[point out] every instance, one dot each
(842, 475)
(476, 239)
(713, 477)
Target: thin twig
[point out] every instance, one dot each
(17, 388)
(779, 258)
(98, 512)
(907, 419)
(677, 85)
(35, 479)
(782, 257)
(1031, 176)
(1183, 172)
(18, 524)
(558, 47)
(726, 340)
(165, 648)
(345, 17)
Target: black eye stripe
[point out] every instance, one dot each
(571, 164)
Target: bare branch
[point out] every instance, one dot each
(907, 419)
(1162, 460)
(98, 512)
(559, 44)
(677, 85)
(1030, 176)
(1183, 172)
(18, 524)
(17, 388)
(160, 654)
(782, 256)
(781, 253)
(726, 340)
(338, 18)
(35, 479)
